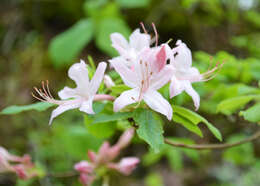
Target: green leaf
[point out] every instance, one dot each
(15, 109)
(149, 128)
(187, 124)
(196, 119)
(65, 47)
(133, 3)
(118, 89)
(231, 105)
(103, 118)
(99, 130)
(252, 114)
(106, 27)
(188, 114)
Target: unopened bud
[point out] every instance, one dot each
(108, 81)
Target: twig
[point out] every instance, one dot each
(214, 146)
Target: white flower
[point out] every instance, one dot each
(130, 50)
(149, 73)
(82, 96)
(184, 74)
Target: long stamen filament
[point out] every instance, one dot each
(156, 34)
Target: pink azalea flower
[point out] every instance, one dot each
(184, 74)
(105, 158)
(22, 166)
(82, 96)
(149, 74)
(130, 50)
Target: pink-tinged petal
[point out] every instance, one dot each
(103, 152)
(183, 59)
(176, 87)
(97, 78)
(158, 103)
(20, 171)
(127, 75)
(68, 105)
(67, 93)
(79, 73)
(113, 152)
(161, 78)
(119, 43)
(138, 40)
(194, 95)
(86, 179)
(161, 59)
(125, 138)
(84, 167)
(92, 156)
(86, 106)
(126, 98)
(125, 166)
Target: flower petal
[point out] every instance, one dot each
(139, 40)
(194, 95)
(176, 87)
(97, 79)
(183, 59)
(126, 98)
(161, 78)
(119, 43)
(84, 167)
(127, 75)
(126, 165)
(158, 103)
(86, 106)
(79, 73)
(68, 105)
(161, 59)
(67, 93)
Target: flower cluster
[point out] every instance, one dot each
(142, 65)
(104, 159)
(22, 166)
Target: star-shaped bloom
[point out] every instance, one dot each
(80, 97)
(130, 50)
(184, 74)
(149, 73)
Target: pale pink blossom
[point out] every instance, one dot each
(184, 74)
(86, 172)
(105, 157)
(130, 50)
(125, 166)
(22, 166)
(149, 74)
(80, 97)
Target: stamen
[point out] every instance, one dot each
(170, 40)
(37, 97)
(45, 95)
(142, 25)
(156, 34)
(47, 85)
